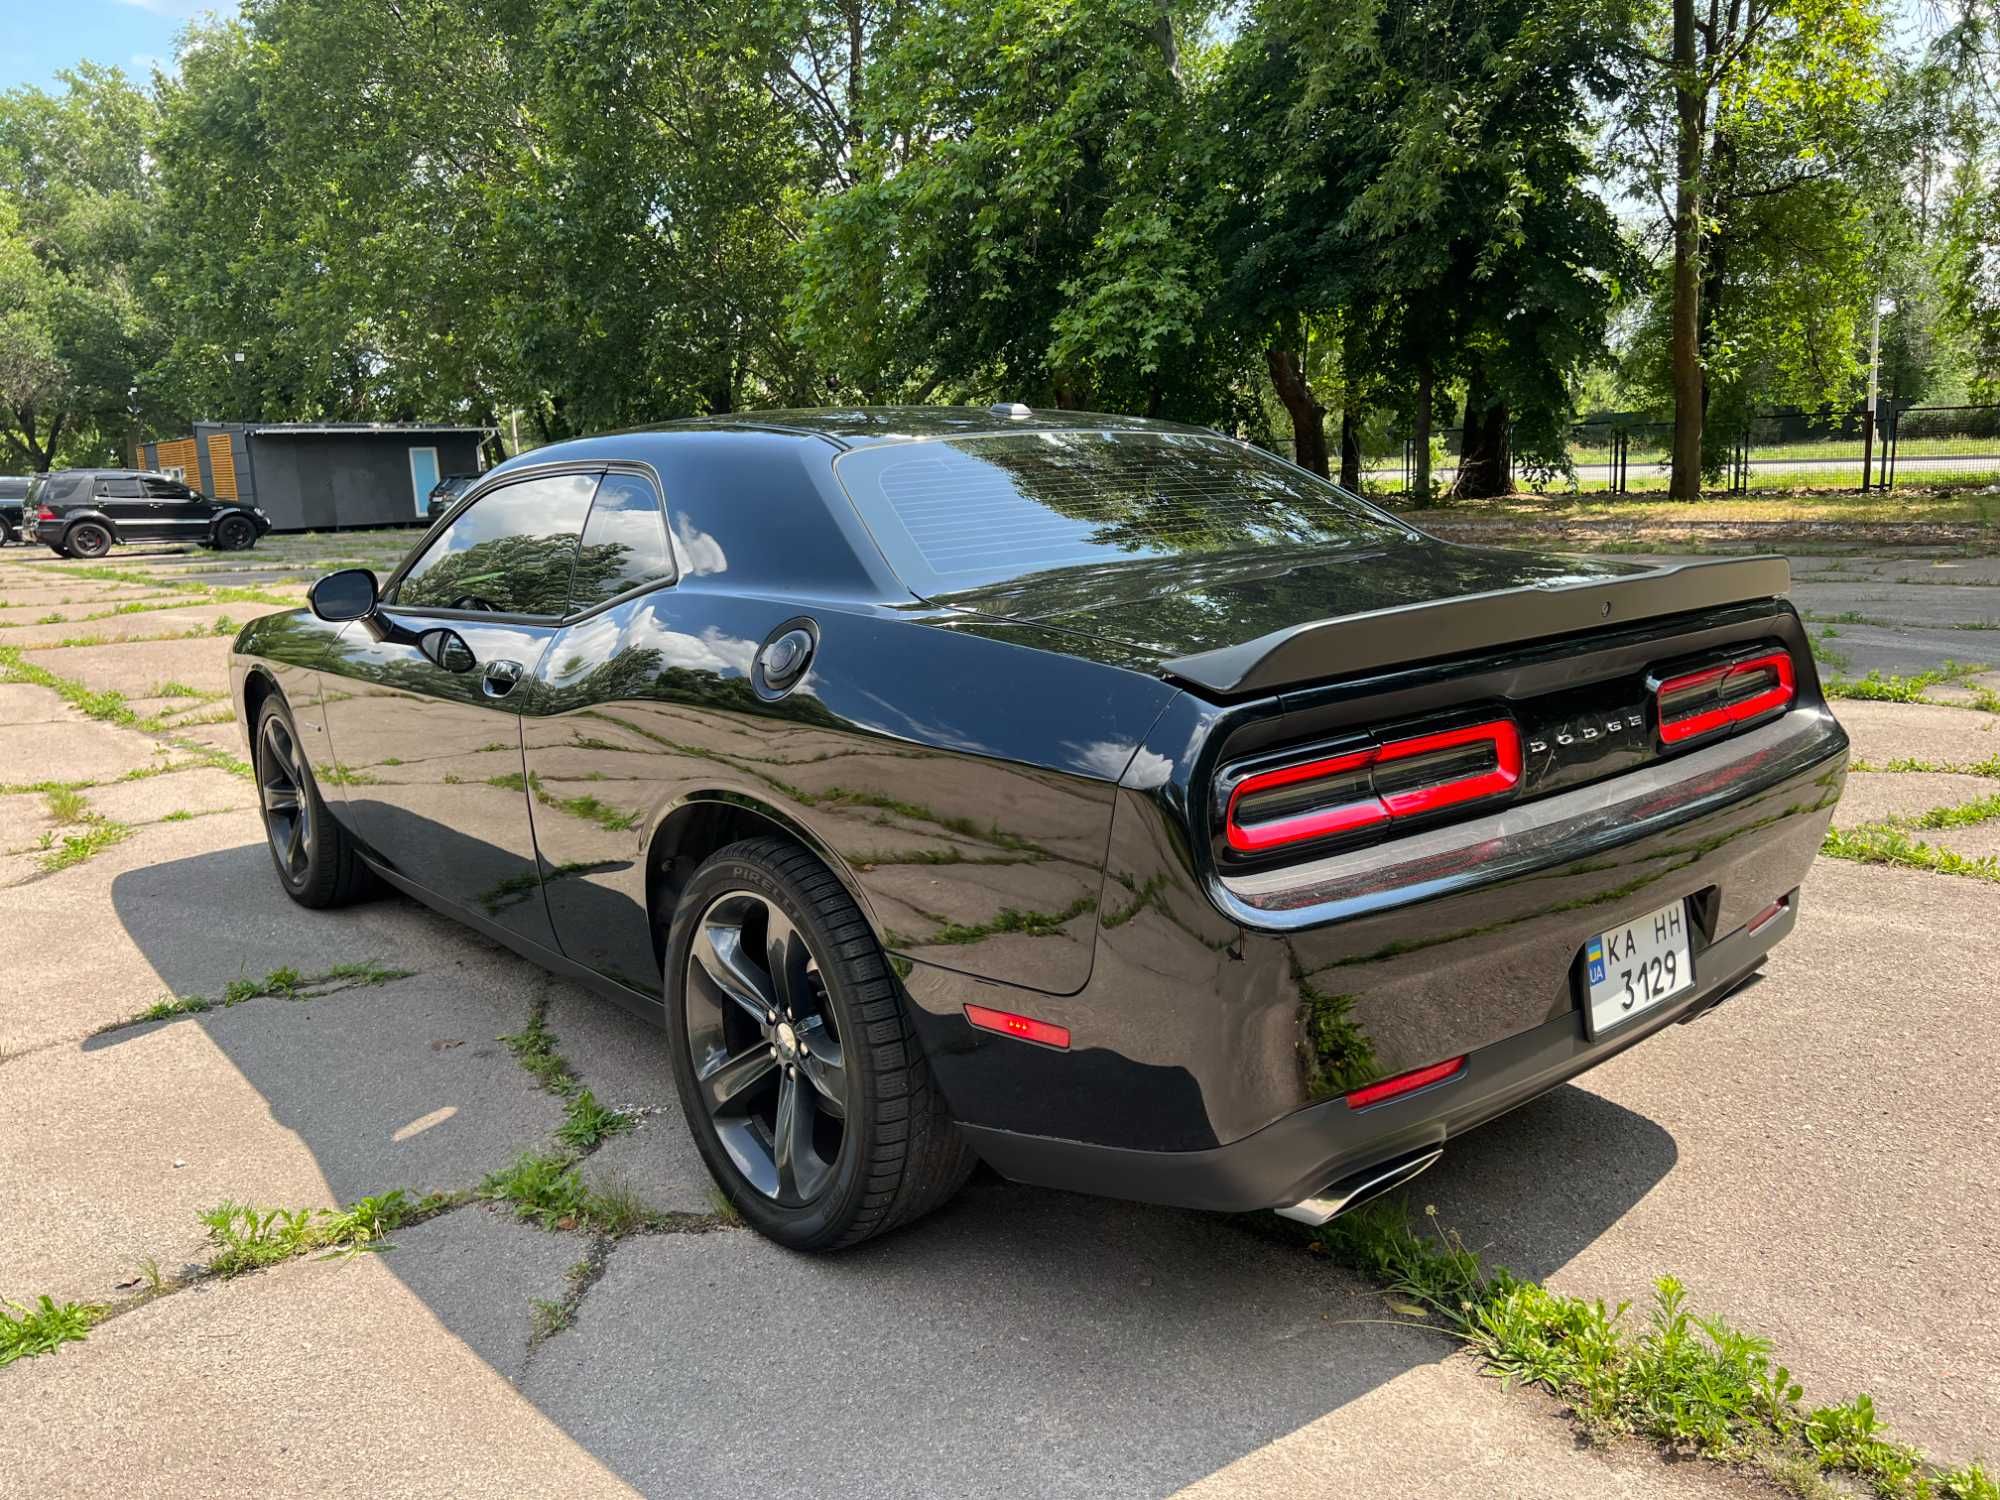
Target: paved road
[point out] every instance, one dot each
(1815, 1160)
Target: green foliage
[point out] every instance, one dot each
(587, 1124)
(248, 1239)
(534, 1047)
(42, 1328)
(1880, 844)
(1690, 1383)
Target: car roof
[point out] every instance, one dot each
(866, 426)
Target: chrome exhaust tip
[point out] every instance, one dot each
(1344, 1193)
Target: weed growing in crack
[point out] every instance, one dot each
(549, 1319)
(43, 1328)
(248, 1239)
(544, 1188)
(1694, 1384)
(588, 1124)
(78, 847)
(534, 1047)
(284, 983)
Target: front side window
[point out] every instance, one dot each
(166, 489)
(510, 553)
(624, 544)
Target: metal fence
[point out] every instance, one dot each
(1909, 447)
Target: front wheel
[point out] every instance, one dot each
(316, 860)
(235, 534)
(797, 1068)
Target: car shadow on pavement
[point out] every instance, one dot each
(1018, 1341)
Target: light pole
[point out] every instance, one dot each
(1882, 305)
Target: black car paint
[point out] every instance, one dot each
(165, 510)
(13, 495)
(1016, 798)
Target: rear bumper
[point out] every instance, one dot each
(1221, 1029)
(1298, 1155)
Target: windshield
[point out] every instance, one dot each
(968, 512)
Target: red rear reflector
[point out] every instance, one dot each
(1405, 1083)
(1025, 1027)
(1699, 703)
(1345, 793)
(1768, 915)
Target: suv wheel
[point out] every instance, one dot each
(87, 539)
(797, 1068)
(235, 534)
(315, 858)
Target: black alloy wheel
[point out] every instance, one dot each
(235, 534)
(283, 786)
(87, 539)
(766, 1048)
(801, 1078)
(315, 859)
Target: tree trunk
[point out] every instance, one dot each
(1689, 99)
(1350, 447)
(1288, 378)
(1420, 434)
(1485, 463)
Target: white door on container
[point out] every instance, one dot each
(423, 475)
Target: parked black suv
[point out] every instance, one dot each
(446, 492)
(13, 492)
(81, 512)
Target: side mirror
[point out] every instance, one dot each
(447, 649)
(349, 594)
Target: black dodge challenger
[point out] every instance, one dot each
(1100, 798)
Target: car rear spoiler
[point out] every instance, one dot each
(1440, 628)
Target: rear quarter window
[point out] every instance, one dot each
(967, 512)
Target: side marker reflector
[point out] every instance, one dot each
(1768, 915)
(1405, 1083)
(1027, 1028)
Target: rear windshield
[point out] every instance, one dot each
(968, 512)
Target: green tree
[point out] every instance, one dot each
(76, 209)
(1736, 106)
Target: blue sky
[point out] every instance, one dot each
(39, 36)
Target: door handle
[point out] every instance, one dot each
(499, 678)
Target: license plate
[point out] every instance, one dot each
(1633, 968)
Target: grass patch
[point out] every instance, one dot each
(1693, 1384)
(284, 983)
(1877, 688)
(534, 1047)
(588, 1124)
(67, 805)
(1882, 844)
(248, 1239)
(1960, 815)
(545, 1188)
(43, 1327)
(78, 847)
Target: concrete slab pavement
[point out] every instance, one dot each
(342, 1378)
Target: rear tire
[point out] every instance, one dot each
(315, 859)
(235, 534)
(790, 942)
(59, 549)
(87, 539)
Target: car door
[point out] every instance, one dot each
(427, 752)
(174, 512)
(122, 499)
(590, 819)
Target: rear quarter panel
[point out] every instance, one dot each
(964, 787)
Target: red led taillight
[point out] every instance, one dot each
(1405, 1083)
(1699, 703)
(1360, 789)
(45, 514)
(1027, 1028)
